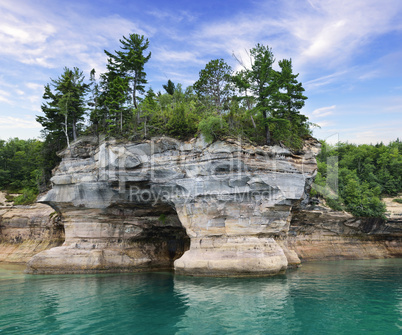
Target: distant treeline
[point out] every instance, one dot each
(22, 166)
(362, 174)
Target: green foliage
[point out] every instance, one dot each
(162, 218)
(366, 172)
(169, 87)
(277, 97)
(64, 108)
(213, 127)
(21, 164)
(399, 201)
(180, 124)
(27, 197)
(214, 85)
(259, 103)
(10, 198)
(129, 63)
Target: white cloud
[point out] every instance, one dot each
(4, 97)
(34, 86)
(333, 30)
(8, 122)
(324, 124)
(324, 80)
(176, 16)
(39, 36)
(173, 57)
(323, 111)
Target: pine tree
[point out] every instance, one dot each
(129, 63)
(65, 106)
(169, 87)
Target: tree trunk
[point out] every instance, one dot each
(66, 130)
(74, 130)
(267, 133)
(252, 120)
(134, 90)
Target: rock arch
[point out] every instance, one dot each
(136, 206)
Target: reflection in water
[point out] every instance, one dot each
(243, 305)
(91, 304)
(347, 297)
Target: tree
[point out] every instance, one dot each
(64, 110)
(94, 103)
(214, 83)
(149, 107)
(21, 165)
(65, 107)
(115, 103)
(129, 62)
(286, 120)
(169, 87)
(262, 80)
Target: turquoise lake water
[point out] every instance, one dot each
(341, 297)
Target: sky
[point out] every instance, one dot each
(348, 53)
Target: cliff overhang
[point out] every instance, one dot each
(216, 209)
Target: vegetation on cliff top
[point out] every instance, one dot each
(258, 102)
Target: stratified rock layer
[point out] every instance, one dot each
(324, 234)
(28, 230)
(215, 209)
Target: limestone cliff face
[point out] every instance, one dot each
(206, 209)
(28, 230)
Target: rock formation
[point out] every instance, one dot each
(215, 209)
(28, 230)
(319, 233)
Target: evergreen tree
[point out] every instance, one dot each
(94, 104)
(115, 103)
(262, 80)
(286, 121)
(169, 87)
(65, 106)
(64, 111)
(129, 63)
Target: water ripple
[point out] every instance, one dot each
(346, 297)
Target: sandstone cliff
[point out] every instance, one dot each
(220, 209)
(28, 230)
(209, 209)
(319, 233)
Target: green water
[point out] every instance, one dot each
(346, 297)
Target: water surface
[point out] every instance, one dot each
(345, 297)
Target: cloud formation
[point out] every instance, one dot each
(339, 47)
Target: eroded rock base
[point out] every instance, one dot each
(232, 256)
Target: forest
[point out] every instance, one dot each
(260, 103)
(354, 177)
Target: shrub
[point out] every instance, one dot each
(27, 197)
(213, 127)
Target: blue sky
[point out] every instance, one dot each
(348, 52)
